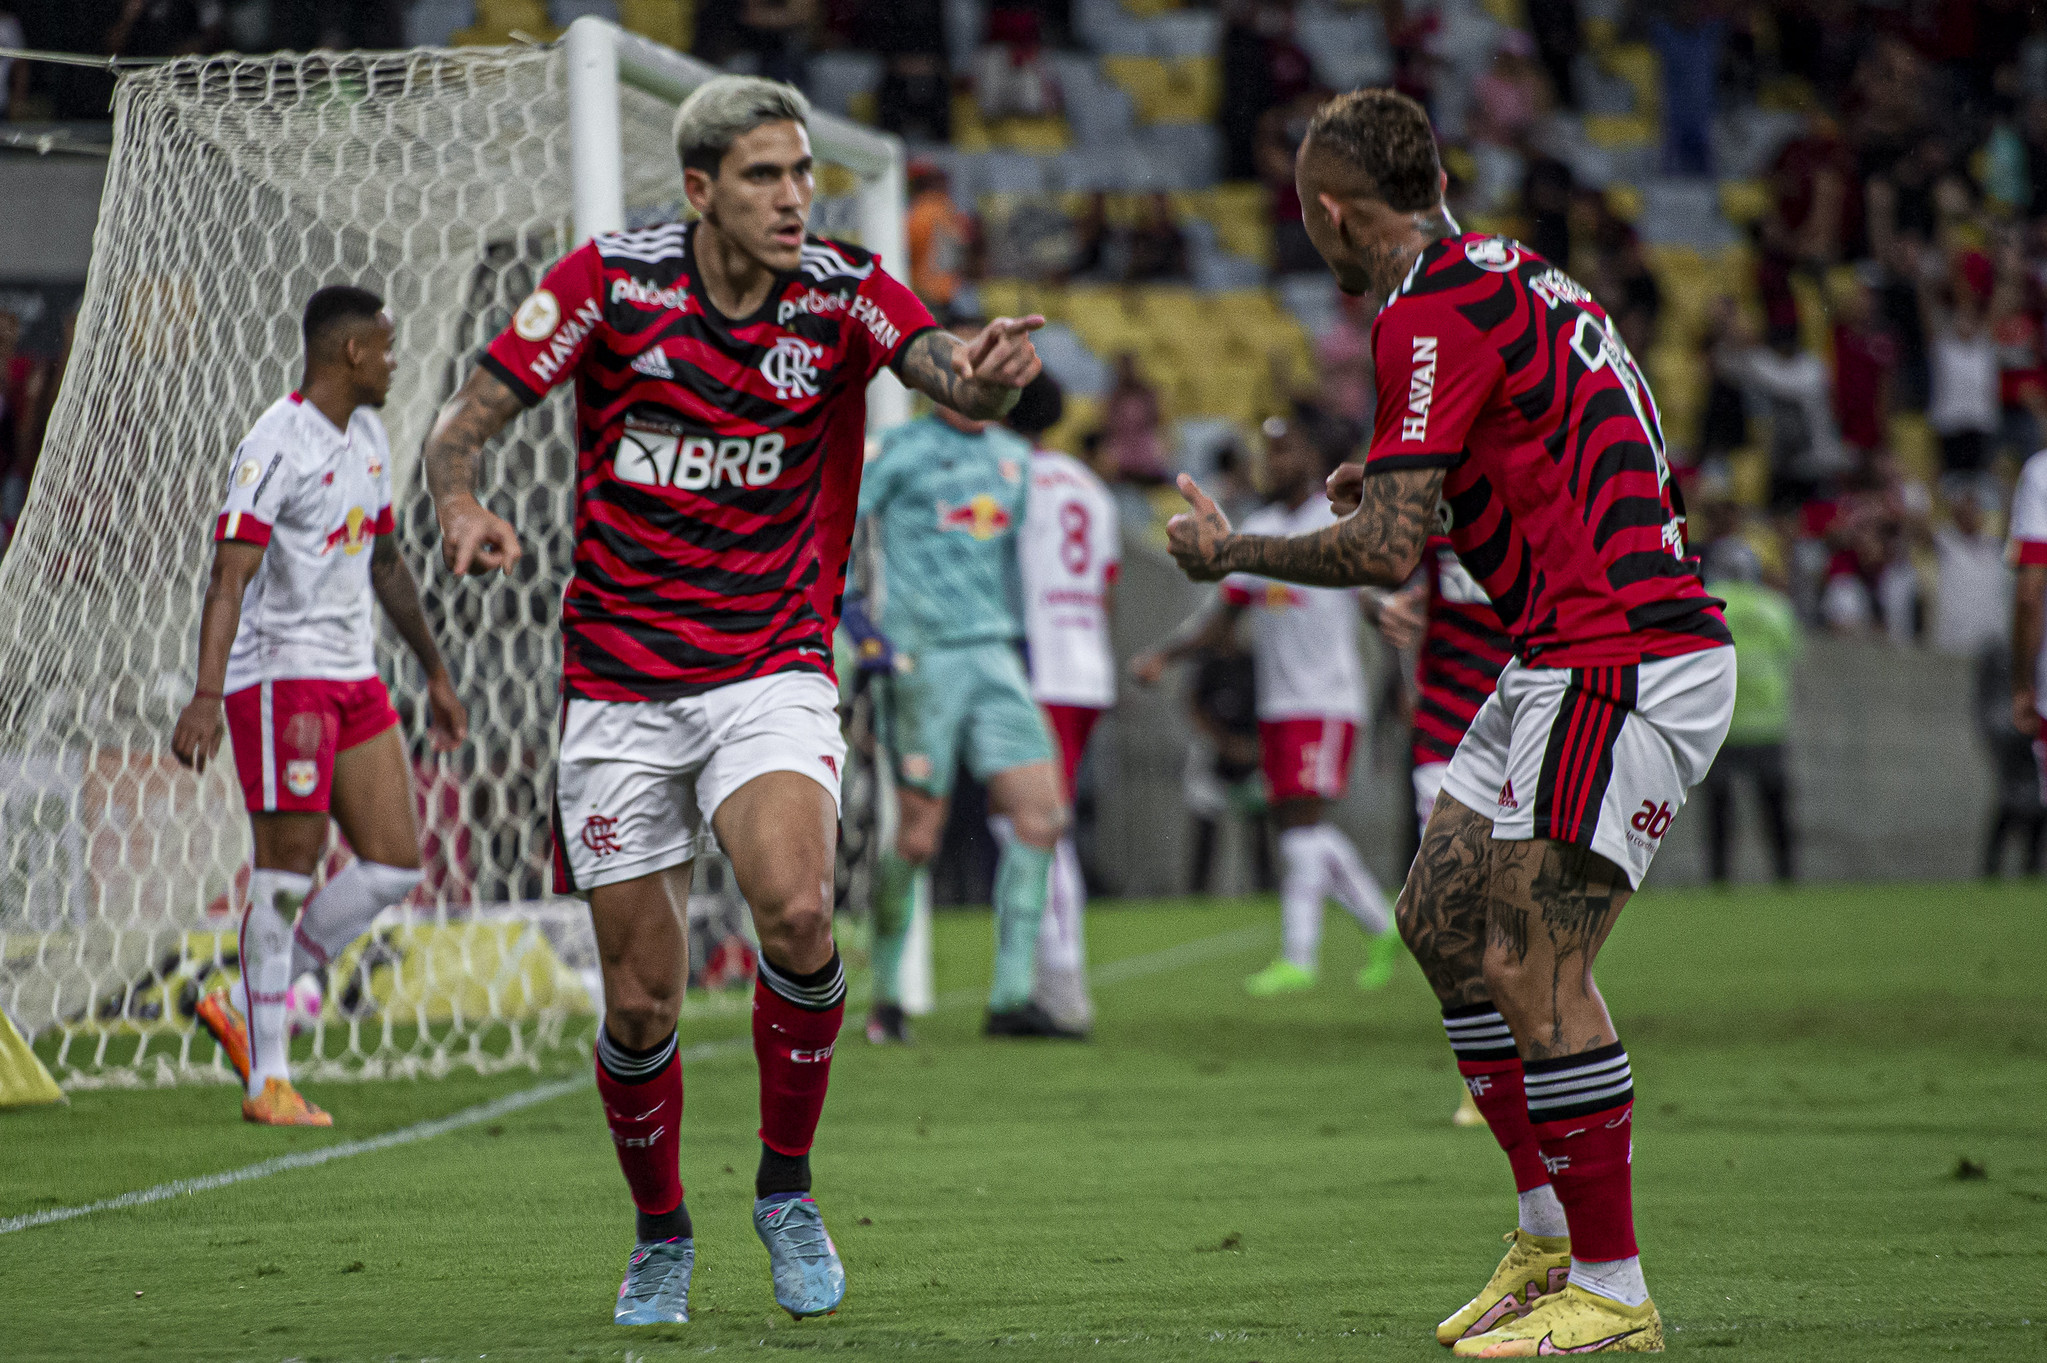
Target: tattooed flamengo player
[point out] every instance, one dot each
(720, 370)
(1506, 394)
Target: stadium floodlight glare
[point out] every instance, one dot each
(447, 180)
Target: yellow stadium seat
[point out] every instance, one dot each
(1917, 448)
(665, 21)
(1041, 135)
(1748, 476)
(1175, 90)
(1639, 66)
(1743, 201)
(1144, 9)
(1620, 130)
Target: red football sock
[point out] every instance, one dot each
(795, 1024)
(1583, 1110)
(1492, 1071)
(642, 1093)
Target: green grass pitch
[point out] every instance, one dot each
(1212, 1178)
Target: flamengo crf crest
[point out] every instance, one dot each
(792, 368)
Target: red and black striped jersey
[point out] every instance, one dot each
(1462, 652)
(718, 459)
(1500, 368)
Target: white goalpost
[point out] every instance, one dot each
(447, 180)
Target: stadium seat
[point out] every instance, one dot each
(665, 21)
(1744, 201)
(498, 20)
(1181, 90)
(1620, 130)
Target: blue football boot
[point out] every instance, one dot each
(656, 1286)
(809, 1279)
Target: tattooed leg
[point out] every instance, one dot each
(1552, 906)
(1442, 909)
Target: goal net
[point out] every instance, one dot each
(446, 180)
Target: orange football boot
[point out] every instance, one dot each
(220, 1017)
(279, 1104)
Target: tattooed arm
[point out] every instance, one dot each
(981, 378)
(472, 539)
(1378, 545)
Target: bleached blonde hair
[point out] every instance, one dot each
(722, 110)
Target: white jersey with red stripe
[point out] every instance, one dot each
(1069, 552)
(316, 497)
(1304, 640)
(2029, 543)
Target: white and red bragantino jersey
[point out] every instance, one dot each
(2029, 544)
(316, 498)
(1499, 368)
(718, 458)
(1304, 640)
(1069, 551)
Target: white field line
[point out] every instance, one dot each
(1115, 972)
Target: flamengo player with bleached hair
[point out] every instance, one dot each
(287, 660)
(721, 368)
(1506, 394)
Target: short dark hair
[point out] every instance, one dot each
(1386, 138)
(330, 307)
(1039, 408)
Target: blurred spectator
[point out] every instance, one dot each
(1865, 358)
(1133, 427)
(1723, 421)
(1557, 36)
(13, 74)
(2018, 813)
(167, 28)
(1961, 357)
(338, 25)
(1235, 490)
(1012, 77)
(1622, 280)
(1688, 36)
(1412, 32)
(769, 38)
(937, 234)
(1972, 601)
(1767, 643)
(1280, 131)
(1547, 190)
(1262, 69)
(1093, 239)
(1871, 585)
(1509, 97)
(1888, 104)
(1792, 386)
(1158, 249)
(1814, 213)
(2015, 330)
(915, 99)
(1343, 357)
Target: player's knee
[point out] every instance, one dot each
(1510, 978)
(1041, 824)
(916, 844)
(642, 1020)
(797, 917)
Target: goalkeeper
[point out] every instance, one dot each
(945, 498)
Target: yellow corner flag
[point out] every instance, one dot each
(23, 1080)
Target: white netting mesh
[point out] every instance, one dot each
(441, 179)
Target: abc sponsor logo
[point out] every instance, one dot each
(1652, 820)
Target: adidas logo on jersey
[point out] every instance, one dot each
(654, 364)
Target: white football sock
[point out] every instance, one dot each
(342, 911)
(1301, 887)
(274, 899)
(1542, 1214)
(1060, 945)
(1620, 1279)
(1351, 884)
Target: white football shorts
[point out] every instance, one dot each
(1600, 757)
(1428, 780)
(639, 780)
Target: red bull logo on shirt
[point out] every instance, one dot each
(352, 534)
(981, 516)
(1279, 596)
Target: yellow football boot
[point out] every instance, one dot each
(1467, 1113)
(279, 1104)
(1573, 1321)
(1535, 1269)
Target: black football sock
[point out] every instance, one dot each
(674, 1225)
(780, 1173)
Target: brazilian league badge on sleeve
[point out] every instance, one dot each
(537, 317)
(301, 776)
(1496, 254)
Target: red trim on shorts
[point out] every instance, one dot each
(1577, 761)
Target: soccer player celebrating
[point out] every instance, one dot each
(287, 650)
(1311, 699)
(1506, 394)
(721, 369)
(945, 497)
(1069, 554)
